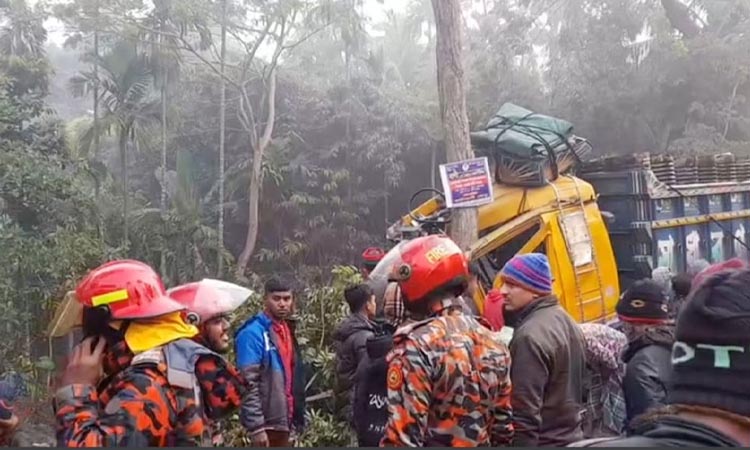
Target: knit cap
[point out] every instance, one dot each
(530, 271)
(711, 355)
(645, 302)
(708, 271)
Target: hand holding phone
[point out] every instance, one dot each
(85, 364)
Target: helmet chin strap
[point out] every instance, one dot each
(436, 306)
(447, 302)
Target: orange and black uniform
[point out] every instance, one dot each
(448, 385)
(222, 387)
(137, 406)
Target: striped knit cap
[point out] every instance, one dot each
(530, 271)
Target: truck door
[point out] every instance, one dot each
(525, 234)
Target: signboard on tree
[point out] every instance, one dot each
(467, 183)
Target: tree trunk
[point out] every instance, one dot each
(730, 108)
(163, 199)
(96, 81)
(681, 18)
(96, 112)
(450, 79)
(123, 144)
(252, 219)
(222, 128)
(258, 149)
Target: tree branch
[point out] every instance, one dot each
(271, 116)
(247, 116)
(729, 108)
(306, 37)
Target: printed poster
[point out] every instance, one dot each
(467, 183)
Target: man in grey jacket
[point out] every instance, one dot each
(350, 341)
(547, 357)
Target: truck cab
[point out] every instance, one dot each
(561, 219)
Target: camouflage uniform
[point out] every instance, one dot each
(222, 387)
(448, 385)
(137, 406)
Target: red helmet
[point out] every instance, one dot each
(427, 264)
(208, 298)
(130, 289)
(373, 255)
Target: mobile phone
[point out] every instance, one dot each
(5, 411)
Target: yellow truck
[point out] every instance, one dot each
(603, 223)
(605, 228)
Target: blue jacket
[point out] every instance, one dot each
(264, 406)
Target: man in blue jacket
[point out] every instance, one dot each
(269, 358)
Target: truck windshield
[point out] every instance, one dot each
(494, 261)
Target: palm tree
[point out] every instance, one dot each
(186, 224)
(128, 105)
(22, 31)
(164, 61)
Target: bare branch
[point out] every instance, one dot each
(247, 116)
(730, 108)
(306, 37)
(186, 45)
(250, 55)
(271, 116)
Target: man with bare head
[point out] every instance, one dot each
(269, 358)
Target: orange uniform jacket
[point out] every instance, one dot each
(448, 385)
(138, 407)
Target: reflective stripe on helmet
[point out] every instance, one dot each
(110, 297)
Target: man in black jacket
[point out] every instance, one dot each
(547, 357)
(643, 311)
(709, 400)
(350, 339)
(371, 390)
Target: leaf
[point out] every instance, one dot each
(45, 363)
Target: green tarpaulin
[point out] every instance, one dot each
(519, 133)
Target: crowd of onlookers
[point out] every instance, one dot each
(421, 366)
(667, 371)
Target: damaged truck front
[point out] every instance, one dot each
(548, 200)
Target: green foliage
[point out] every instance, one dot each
(47, 213)
(318, 309)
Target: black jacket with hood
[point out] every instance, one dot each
(371, 391)
(350, 340)
(648, 360)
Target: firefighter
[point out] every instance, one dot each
(370, 258)
(209, 305)
(448, 377)
(134, 335)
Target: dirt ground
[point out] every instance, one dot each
(37, 424)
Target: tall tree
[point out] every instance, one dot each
(128, 108)
(450, 76)
(222, 136)
(21, 30)
(164, 61)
